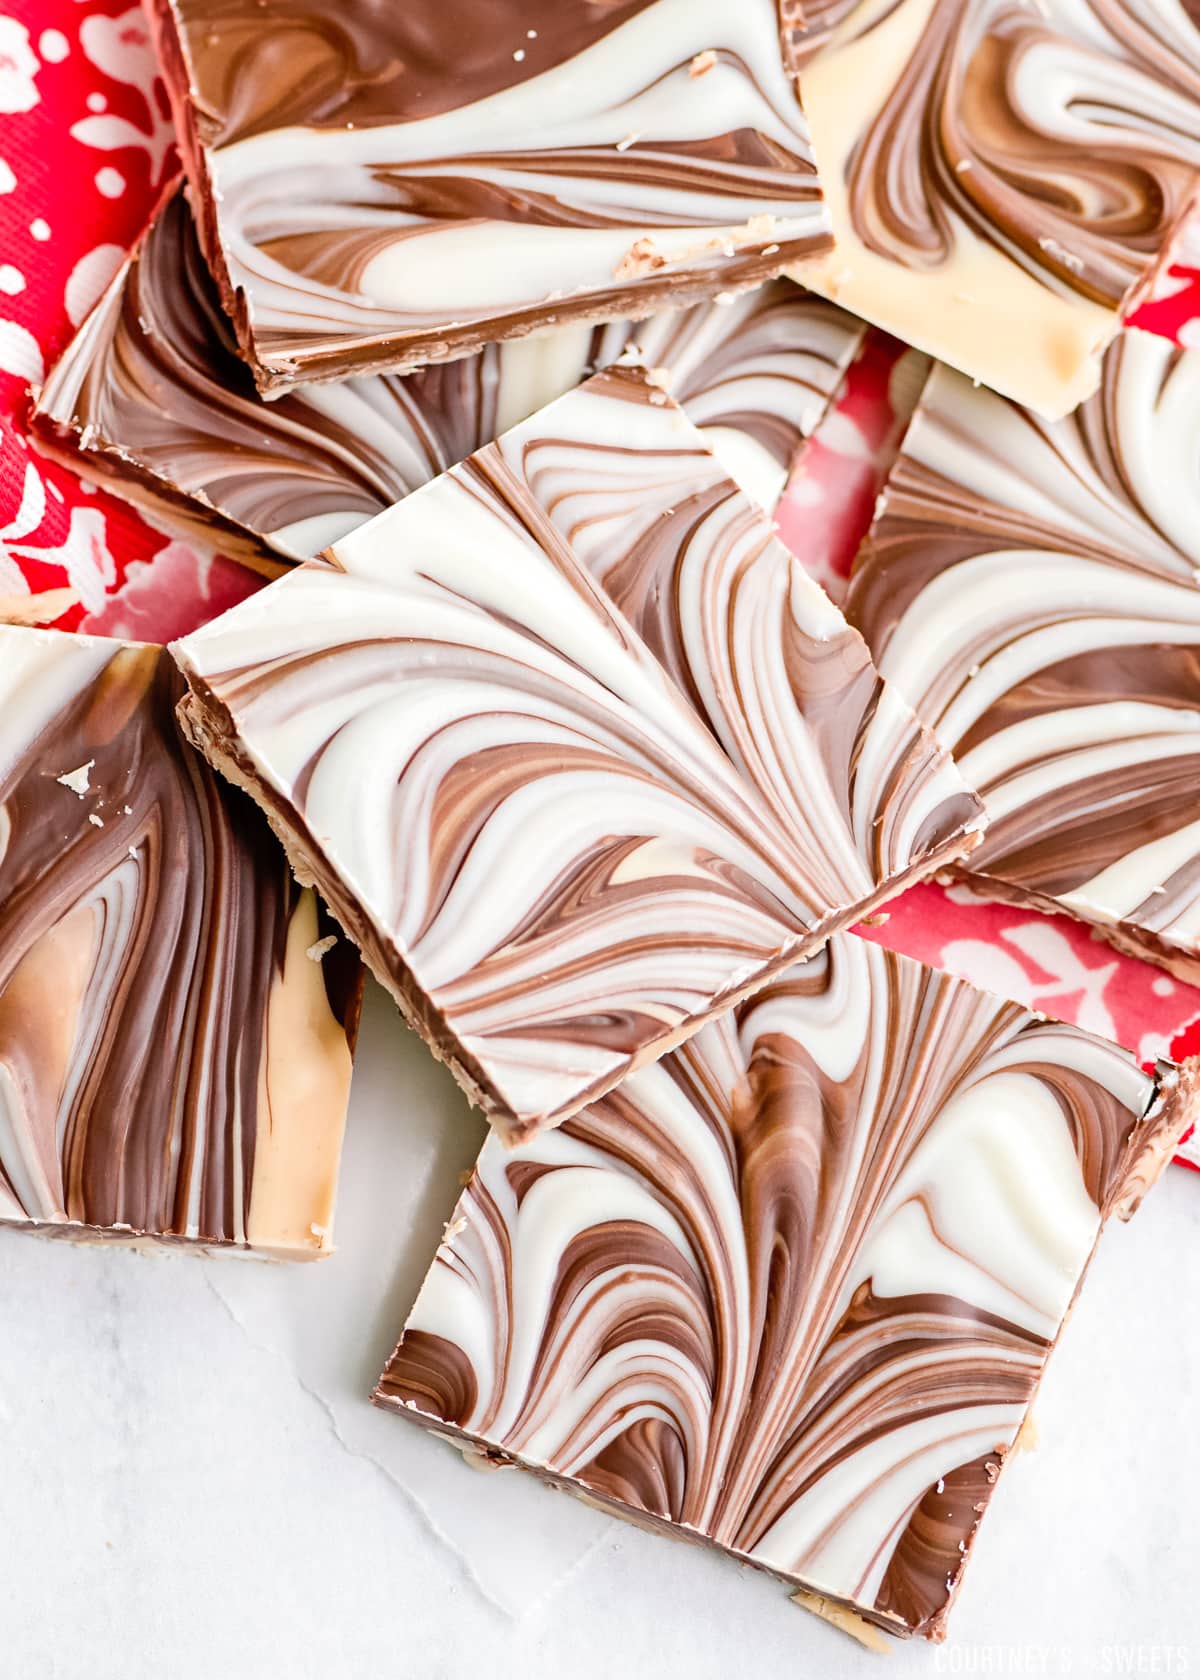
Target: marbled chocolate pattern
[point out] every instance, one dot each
(566, 824)
(171, 1062)
(151, 394)
(1006, 174)
(791, 1289)
(1033, 589)
(765, 658)
(1067, 135)
(386, 185)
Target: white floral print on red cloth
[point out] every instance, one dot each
(827, 506)
(85, 140)
(1173, 308)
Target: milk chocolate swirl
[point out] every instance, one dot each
(791, 1290)
(810, 23)
(1066, 134)
(172, 1064)
(1032, 588)
(384, 185)
(785, 685)
(153, 397)
(574, 747)
(1006, 176)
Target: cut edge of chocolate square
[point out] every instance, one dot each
(152, 400)
(727, 257)
(195, 1059)
(207, 723)
(924, 815)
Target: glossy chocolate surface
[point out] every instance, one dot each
(173, 1062)
(384, 185)
(791, 1290)
(574, 747)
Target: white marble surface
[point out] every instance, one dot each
(193, 1483)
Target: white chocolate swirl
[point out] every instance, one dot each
(791, 1289)
(1033, 589)
(152, 396)
(574, 747)
(172, 1065)
(613, 156)
(1006, 175)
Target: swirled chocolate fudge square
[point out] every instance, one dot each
(574, 748)
(382, 186)
(176, 1017)
(1004, 177)
(152, 398)
(1033, 588)
(791, 1290)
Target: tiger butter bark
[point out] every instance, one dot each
(176, 1021)
(791, 1290)
(574, 748)
(1033, 588)
(1005, 177)
(152, 399)
(382, 186)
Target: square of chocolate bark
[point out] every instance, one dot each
(176, 1015)
(1033, 588)
(1004, 178)
(379, 187)
(791, 1290)
(574, 748)
(152, 398)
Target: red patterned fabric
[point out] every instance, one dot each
(84, 145)
(85, 141)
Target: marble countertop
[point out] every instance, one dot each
(194, 1484)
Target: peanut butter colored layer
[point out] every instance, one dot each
(152, 398)
(173, 1066)
(791, 1291)
(1033, 588)
(574, 748)
(1005, 177)
(383, 186)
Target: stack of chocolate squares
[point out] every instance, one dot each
(490, 333)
